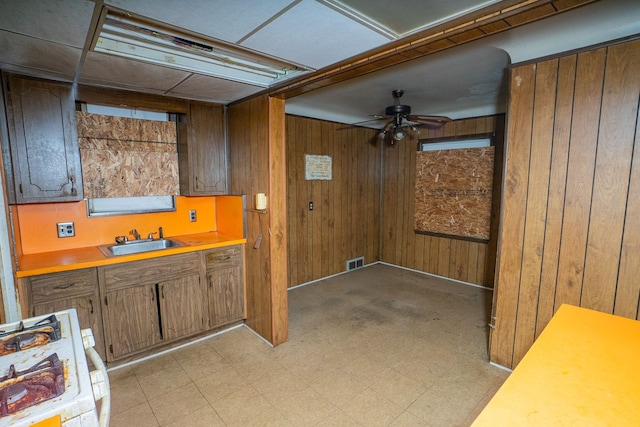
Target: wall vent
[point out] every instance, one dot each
(352, 264)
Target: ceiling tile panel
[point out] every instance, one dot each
(213, 89)
(314, 35)
(221, 19)
(62, 21)
(37, 57)
(107, 70)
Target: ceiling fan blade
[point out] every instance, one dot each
(428, 119)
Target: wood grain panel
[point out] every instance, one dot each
(400, 245)
(514, 209)
(610, 185)
(572, 138)
(537, 197)
(584, 128)
(343, 223)
(557, 183)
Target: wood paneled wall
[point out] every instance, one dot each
(256, 136)
(457, 259)
(570, 230)
(344, 222)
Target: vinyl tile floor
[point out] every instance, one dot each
(378, 346)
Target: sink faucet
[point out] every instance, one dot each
(135, 234)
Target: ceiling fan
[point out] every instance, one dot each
(402, 121)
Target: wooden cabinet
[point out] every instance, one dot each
(147, 303)
(72, 289)
(225, 280)
(202, 151)
(43, 143)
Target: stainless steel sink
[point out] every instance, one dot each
(136, 247)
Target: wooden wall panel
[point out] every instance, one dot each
(570, 229)
(257, 165)
(344, 221)
(400, 245)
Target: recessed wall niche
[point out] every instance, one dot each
(127, 157)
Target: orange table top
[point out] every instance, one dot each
(583, 370)
(73, 259)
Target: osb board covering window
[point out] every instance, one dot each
(126, 157)
(454, 192)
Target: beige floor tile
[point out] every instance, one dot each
(122, 377)
(126, 397)
(369, 408)
(338, 419)
(279, 382)
(398, 388)
(241, 406)
(304, 407)
(161, 382)
(269, 418)
(154, 365)
(177, 403)
(407, 419)
(138, 416)
(220, 385)
(203, 417)
(203, 365)
(337, 386)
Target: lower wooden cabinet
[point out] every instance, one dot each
(183, 307)
(225, 280)
(152, 302)
(70, 289)
(136, 306)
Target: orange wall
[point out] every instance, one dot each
(37, 231)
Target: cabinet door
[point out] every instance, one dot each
(227, 295)
(88, 311)
(43, 139)
(183, 307)
(133, 319)
(202, 152)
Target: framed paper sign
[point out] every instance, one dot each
(317, 167)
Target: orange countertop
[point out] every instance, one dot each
(583, 370)
(73, 259)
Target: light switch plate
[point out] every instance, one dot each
(66, 229)
(192, 215)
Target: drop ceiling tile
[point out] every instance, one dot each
(113, 71)
(213, 89)
(314, 35)
(221, 19)
(37, 57)
(63, 21)
(412, 15)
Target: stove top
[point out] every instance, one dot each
(44, 372)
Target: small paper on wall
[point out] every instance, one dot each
(317, 167)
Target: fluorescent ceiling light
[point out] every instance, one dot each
(456, 144)
(133, 39)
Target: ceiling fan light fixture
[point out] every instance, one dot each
(399, 134)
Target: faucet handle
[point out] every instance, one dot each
(150, 237)
(121, 239)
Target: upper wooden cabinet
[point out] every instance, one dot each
(43, 144)
(202, 151)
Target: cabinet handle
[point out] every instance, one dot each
(219, 285)
(90, 306)
(162, 291)
(64, 286)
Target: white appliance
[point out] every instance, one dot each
(45, 377)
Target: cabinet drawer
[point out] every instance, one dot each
(67, 284)
(151, 270)
(223, 257)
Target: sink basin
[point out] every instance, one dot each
(136, 247)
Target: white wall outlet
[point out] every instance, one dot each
(192, 215)
(66, 229)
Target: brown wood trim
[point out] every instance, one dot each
(451, 236)
(124, 98)
(278, 222)
(482, 23)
